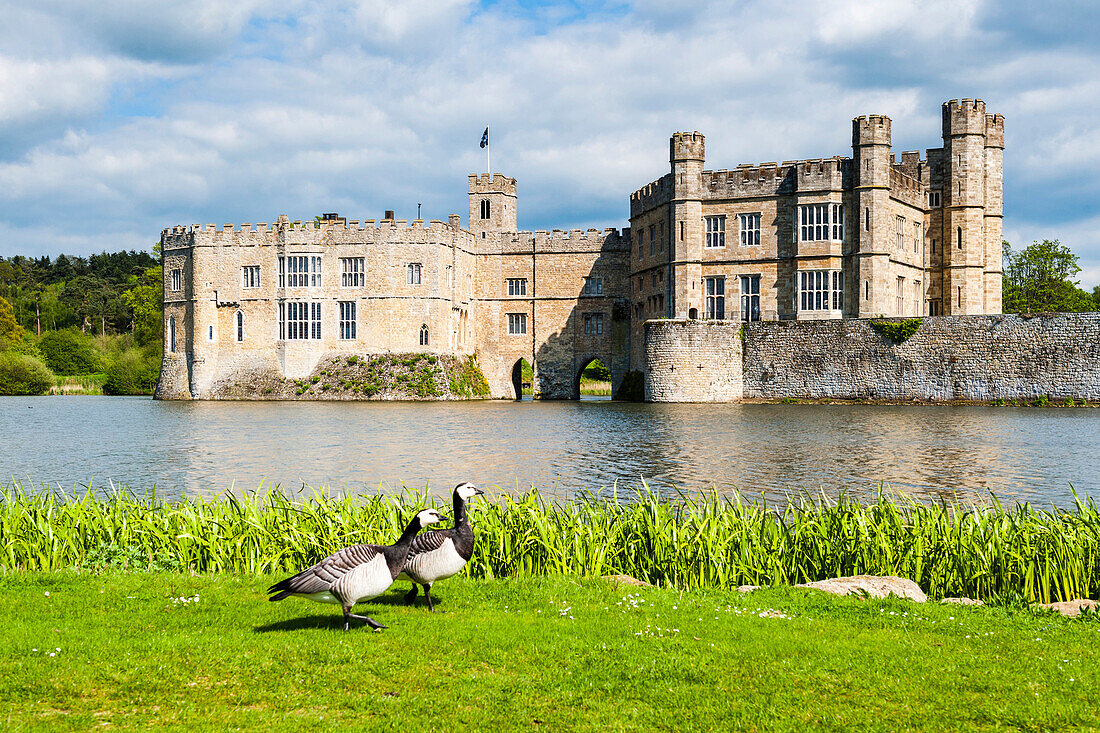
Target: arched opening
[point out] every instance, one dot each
(424, 334)
(693, 313)
(172, 334)
(522, 377)
(240, 327)
(594, 381)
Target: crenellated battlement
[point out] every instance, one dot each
(963, 117)
(263, 233)
(557, 241)
(496, 183)
(685, 146)
(995, 131)
(907, 188)
(652, 194)
(871, 130)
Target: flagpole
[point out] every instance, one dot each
(488, 167)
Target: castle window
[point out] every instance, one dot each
(900, 220)
(750, 230)
(593, 323)
(352, 273)
(211, 334)
(240, 327)
(294, 272)
(347, 320)
(172, 334)
(177, 280)
(412, 273)
(959, 235)
(715, 289)
(661, 235)
(316, 274)
(918, 297)
(934, 306)
(867, 218)
(652, 239)
(821, 290)
(933, 246)
(484, 208)
(517, 286)
(716, 231)
(681, 231)
(821, 222)
(250, 276)
(900, 296)
(750, 297)
(593, 286)
(959, 292)
(866, 289)
(933, 199)
(916, 237)
(299, 321)
(517, 324)
(424, 334)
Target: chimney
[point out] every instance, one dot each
(388, 216)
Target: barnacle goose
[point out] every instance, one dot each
(441, 553)
(356, 573)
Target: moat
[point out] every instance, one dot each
(201, 448)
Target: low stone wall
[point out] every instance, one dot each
(692, 361)
(978, 358)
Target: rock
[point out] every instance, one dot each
(627, 580)
(963, 601)
(747, 588)
(876, 586)
(1071, 608)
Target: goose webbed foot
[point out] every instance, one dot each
(370, 622)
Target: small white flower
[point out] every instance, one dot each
(47, 594)
(52, 654)
(34, 650)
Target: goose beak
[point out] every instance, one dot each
(478, 492)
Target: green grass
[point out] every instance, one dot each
(699, 542)
(553, 653)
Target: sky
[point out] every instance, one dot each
(119, 118)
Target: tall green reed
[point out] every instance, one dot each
(692, 542)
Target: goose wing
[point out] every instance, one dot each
(321, 576)
(429, 541)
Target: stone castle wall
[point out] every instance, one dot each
(981, 358)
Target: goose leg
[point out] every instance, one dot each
(370, 622)
(411, 595)
(428, 595)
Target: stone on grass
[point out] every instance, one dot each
(876, 586)
(627, 580)
(963, 601)
(747, 588)
(1071, 608)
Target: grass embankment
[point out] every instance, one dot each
(701, 542)
(133, 651)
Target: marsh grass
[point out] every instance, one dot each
(702, 541)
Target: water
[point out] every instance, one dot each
(202, 448)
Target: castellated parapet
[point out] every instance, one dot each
(686, 146)
(871, 130)
(964, 117)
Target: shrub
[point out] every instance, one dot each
(132, 372)
(898, 331)
(68, 352)
(467, 380)
(23, 375)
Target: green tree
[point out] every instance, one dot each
(10, 330)
(68, 352)
(145, 299)
(22, 375)
(1040, 278)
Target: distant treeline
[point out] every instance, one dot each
(85, 325)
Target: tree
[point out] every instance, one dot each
(145, 299)
(1039, 278)
(68, 352)
(10, 330)
(21, 375)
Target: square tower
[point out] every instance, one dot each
(492, 203)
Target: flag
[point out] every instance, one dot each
(485, 138)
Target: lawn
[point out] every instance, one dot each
(136, 650)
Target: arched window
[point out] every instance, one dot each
(172, 334)
(959, 235)
(240, 326)
(424, 335)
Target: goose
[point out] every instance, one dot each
(441, 553)
(354, 574)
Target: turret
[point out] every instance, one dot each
(870, 228)
(964, 186)
(492, 204)
(686, 155)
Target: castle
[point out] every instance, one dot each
(800, 240)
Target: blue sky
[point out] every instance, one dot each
(120, 118)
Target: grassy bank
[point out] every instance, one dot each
(702, 542)
(140, 650)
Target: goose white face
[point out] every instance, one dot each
(468, 491)
(429, 516)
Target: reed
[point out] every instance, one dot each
(690, 542)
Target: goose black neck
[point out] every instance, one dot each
(410, 532)
(460, 510)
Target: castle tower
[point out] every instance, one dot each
(964, 237)
(870, 220)
(994, 210)
(687, 153)
(492, 204)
